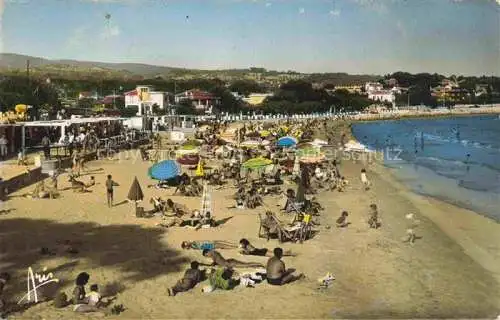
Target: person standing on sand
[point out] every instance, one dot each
(109, 190)
(277, 274)
(365, 180)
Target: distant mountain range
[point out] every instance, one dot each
(11, 62)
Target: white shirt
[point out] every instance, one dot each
(364, 179)
(94, 298)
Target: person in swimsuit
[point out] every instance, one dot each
(207, 245)
(277, 274)
(191, 278)
(247, 249)
(218, 260)
(80, 300)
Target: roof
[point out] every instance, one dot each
(196, 94)
(60, 123)
(131, 93)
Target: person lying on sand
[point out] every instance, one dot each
(248, 249)
(218, 260)
(191, 278)
(208, 245)
(177, 208)
(342, 220)
(277, 274)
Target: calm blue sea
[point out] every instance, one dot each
(453, 159)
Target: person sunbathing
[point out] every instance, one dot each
(247, 249)
(218, 260)
(191, 278)
(277, 274)
(177, 208)
(209, 245)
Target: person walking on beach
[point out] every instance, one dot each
(365, 180)
(109, 190)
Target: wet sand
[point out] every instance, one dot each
(451, 272)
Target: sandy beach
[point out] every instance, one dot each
(452, 271)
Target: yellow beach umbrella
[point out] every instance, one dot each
(199, 169)
(20, 108)
(265, 133)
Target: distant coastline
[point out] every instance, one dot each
(415, 114)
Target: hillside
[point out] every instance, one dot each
(10, 62)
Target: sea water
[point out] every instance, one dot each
(455, 159)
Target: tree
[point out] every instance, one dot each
(185, 107)
(246, 87)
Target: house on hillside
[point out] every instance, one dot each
(201, 100)
(144, 98)
(449, 91)
(382, 96)
(373, 87)
(88, 95)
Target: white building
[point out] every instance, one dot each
(201, 100)
(373, 86)
(383, 96)
(144, 98)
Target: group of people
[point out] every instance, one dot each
(222, 274)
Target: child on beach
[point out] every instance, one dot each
(94, 297)
(365, 180)
(374, 221)
(342, 220)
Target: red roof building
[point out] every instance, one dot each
(200, 99)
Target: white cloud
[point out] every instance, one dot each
(302, 10)
(335, 12)
(268, 4)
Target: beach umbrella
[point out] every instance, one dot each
(135, 193)
(199, 170)
(188, 159)
(165, 170)
(265, 133)
(287, 141)
(250, 144)
(256, 163)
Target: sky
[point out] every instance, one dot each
(353, 36)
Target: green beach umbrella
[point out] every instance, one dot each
(256, 163)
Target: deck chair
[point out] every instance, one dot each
(272, 226)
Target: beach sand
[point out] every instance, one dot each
(453, 271)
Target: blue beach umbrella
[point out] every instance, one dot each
(287, 142)
(165, 170)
